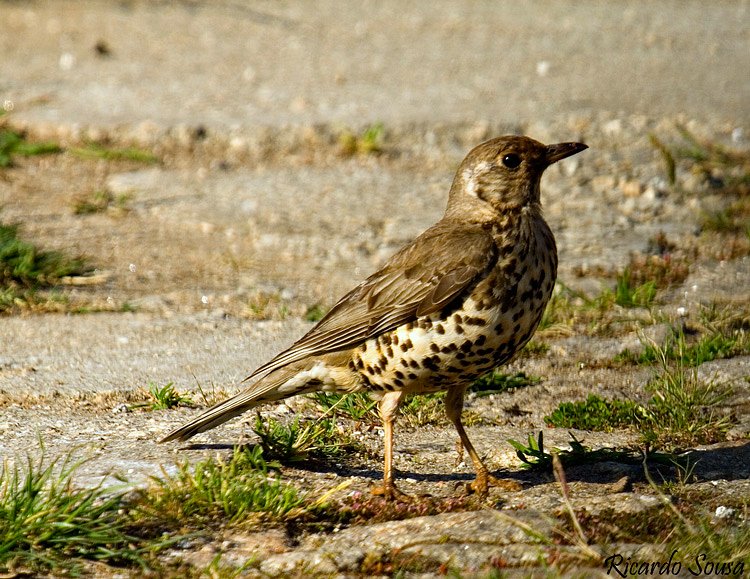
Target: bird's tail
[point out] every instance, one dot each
(275, 386)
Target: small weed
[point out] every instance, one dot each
(596, 414)
(267, 306)
(303, 439)
(97, 151)
(166, 397)
(682, 410)
(534, 349)
(214, 396)
(496, 382)
(355, 406)
(370, 141)
(423, 409)
(14, 143)
(237, 490)
(24, 269)
(670, 164)
(315, 313)
(664, 269)
(98, 202)
(632, 295)
(23, 264)
(534, 456)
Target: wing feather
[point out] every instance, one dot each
(423, 278)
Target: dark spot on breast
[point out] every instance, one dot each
(399, 383)
(485, 351)
(499, 329)
(413, 364)
(452, 347)
(409, 326)
(460, 356)
(480, 340)
(440, 329)
(467, 346)
(369, 370)
(434, 347)
(518, 315)
(526, 295)
(382, 361)
(378, 370)
(395, 339)
(360, 363)
(476, 321)
(399, 374)
(389, 352)
(459, 329)
(454, 370)
(516, 328)
(411, 376)
(364, 346)
(404, 363)
(386, 339)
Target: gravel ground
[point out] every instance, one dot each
(252, 215)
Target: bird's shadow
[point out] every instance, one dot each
(728, 461)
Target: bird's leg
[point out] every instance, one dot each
(388, 408)
(454, 405)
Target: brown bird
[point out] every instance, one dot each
(459, 300)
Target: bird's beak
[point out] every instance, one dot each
(561, 150)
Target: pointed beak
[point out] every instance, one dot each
(563, 150)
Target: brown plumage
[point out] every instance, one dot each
(459, 300)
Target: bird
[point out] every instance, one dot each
(455, 303)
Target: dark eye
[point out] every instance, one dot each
(511, 160)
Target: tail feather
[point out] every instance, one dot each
(266, 390)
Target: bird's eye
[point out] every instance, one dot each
(511, 160)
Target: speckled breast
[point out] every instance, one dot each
(461, 343)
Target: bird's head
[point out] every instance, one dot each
(503, 174)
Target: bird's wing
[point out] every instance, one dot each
(422, 278)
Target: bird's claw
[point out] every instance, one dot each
(482, 483)
(390, 492)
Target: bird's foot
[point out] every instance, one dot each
(390, 492)
(482, 483)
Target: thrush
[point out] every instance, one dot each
(458, 301)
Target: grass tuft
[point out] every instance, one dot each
(240, 489)
(97, 151)
(166, 397)
(304, 439)
(496, 383)
(99, 202)
(15, 143)
(596, 414)
(25, 269)
(24, 264)
(716, 343)
(355, 406)
(369, 142)
(48, 523)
